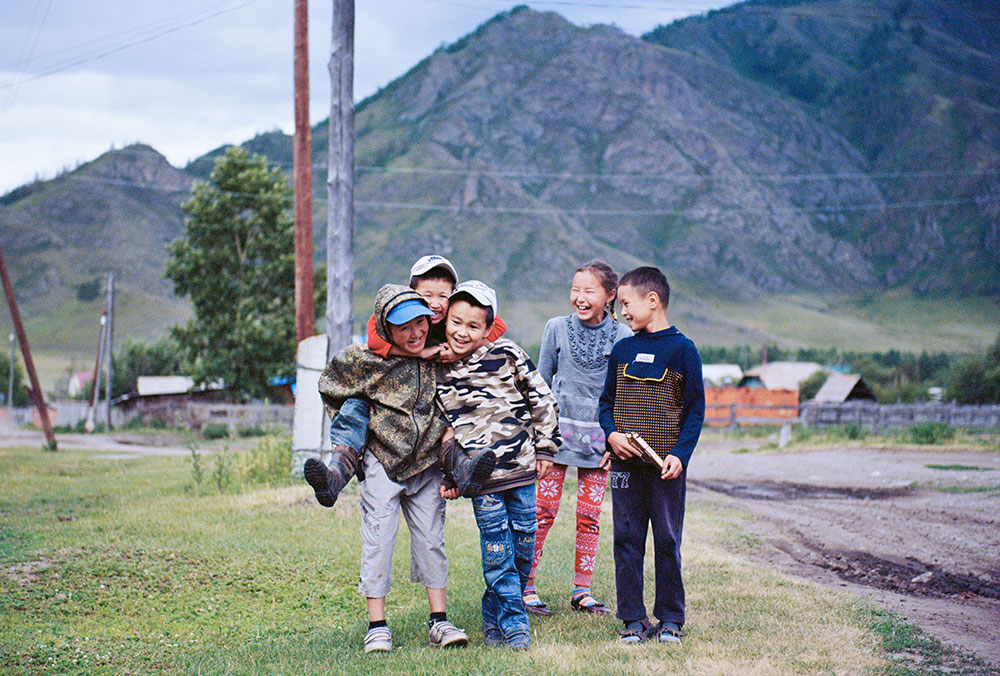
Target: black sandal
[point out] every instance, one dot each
(588, 604)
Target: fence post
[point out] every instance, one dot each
(877, 419)
(732, 416)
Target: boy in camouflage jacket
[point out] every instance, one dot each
(401, 462)
(497, 402)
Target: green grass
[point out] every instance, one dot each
(960, 468)
(120, 567)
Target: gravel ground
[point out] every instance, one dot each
(921, 541)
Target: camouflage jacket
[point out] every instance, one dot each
(496, 400)
(405, 429)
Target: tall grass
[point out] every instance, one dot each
(116, 567)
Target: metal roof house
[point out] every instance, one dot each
(841, 387)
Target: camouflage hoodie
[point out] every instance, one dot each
(405, 428)
(496, 400)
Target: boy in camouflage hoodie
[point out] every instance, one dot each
(401, 462)
(497, 402)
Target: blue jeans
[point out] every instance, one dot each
(507, 525)
(350, 427)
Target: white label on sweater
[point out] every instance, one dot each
(642, 356)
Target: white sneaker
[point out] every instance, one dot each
(444, 634)
(378, 639)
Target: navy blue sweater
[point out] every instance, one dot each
(654, 388)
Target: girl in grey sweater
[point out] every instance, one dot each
(573, 361)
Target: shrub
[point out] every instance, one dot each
(215, 431)
(931, 433)
(810, 386)
(252, 431)
(269, 462)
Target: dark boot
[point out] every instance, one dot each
(329, 481)
(467, 471)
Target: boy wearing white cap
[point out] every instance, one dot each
(498, 404)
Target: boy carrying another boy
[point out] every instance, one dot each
(401, 463)
(497, 403)
(654, 390)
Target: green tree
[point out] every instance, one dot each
(236, 261)
(811, 385)
(134, 359)
(976, 379)
(21, 397)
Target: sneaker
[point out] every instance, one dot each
(669, 632)
(635, 631)
(519, 641)
(444, 634)
(327, 482)
(492, 636)
(378, 639)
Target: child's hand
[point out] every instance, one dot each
(672, 467)
(449, 493)
(542, 468)
(621, 447)
(445, 354)
(605, 463)
(430, 352)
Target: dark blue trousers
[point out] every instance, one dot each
(640, 498)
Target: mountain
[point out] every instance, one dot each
(777, 159)
(910, 84)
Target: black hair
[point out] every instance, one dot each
(437, 272)
(471, 300)
(648, 279)
(607, 277)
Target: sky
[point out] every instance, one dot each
(186, 76)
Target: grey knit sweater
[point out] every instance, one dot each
(573, 361)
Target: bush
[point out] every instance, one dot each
(931, 433)
(252, 431)
(215, 431)
(269, 462)
(810, 386)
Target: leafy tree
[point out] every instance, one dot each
(21, 397)
(134, 359)
(88, 291)
(811, 385)
(236, 262)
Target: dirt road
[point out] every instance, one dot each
(916, 530)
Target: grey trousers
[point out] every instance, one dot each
(422, 507)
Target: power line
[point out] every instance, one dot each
(101, 52)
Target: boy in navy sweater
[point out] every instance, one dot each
(654, 390)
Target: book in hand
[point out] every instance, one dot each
(639, 444)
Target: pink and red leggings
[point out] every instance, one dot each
(590, 494)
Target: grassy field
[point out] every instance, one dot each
(126, 567)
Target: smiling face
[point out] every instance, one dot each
(637, 309)
(588, 297)
(466, 329)
(411, 336)
(436, 292)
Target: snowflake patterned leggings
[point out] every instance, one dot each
(590, 494)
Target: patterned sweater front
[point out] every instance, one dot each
(496, 400)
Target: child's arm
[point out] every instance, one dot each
(548, 354)
(617, 442)
(541, 403)
(693, 413)
(376, 343)
(498, 329)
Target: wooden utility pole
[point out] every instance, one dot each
(29, 363)
(109, 335)
(305, 313)
(340, 180)
(95, 386)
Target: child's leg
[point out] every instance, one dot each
(424, 511)
(546, 507)
(348, 433)
(589, 498)
(667, 516)
(380, 497)
(502, 606)
(630, 496)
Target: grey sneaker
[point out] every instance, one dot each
(444, 634)
(378, 639)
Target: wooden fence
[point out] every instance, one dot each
(743, 415)
(881, 416)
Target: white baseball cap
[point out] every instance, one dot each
(483, 294)
(427, 263)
